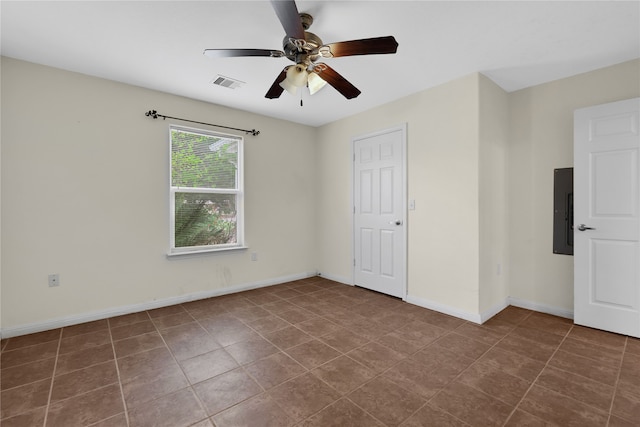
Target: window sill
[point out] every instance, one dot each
(206, 251)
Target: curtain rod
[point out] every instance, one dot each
(154, 115)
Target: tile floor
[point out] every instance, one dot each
(318, 353)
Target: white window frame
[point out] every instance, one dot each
(238, 191)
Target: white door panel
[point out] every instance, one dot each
(379, 196)
(607, 205)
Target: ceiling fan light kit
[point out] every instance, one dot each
(304, 49)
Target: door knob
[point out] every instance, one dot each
(583, 227)
(396, 222)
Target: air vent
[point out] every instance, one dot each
(227, 82)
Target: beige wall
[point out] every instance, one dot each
(83, 173)
(541, 139)
(442, 175)
(84, 194)
(493, 203)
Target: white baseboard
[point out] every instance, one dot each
(488, 314)
(445, 309)
(30, 328)
(497, 308)
(542, 308)
(339, 279)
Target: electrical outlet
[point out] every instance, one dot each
(54, 280)
(254, 256)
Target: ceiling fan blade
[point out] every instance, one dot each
(228, 53)
(276, 90)
(287, 12)
(373, 46)
(341, 84)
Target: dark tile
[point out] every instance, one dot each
(495, 382)
(578, 387)
(274, 370)
(32, 339)
(595, 336)
(28, 354)
(172, 320)
(626, 406)
(24, 398)
(85, 328)
(128, 319)
(512, 363)
(343, 340)
(435, 357)
(419, 333)
(84, 358)
(119, 420)
(268, 324)
(208, 365)
(287, 337)
(83, 380)
(250, 314)
(318, 326)
(472, 406)
(144, 362)
(312, 353)
(259, 411)
(153, 384)
(178, 409)
(393, 341)
(459, 344)
(303, 396)
(429, 416)
(85, 341)
(137, 344)
(561, 410)
(126, 331)
(537, 335)
(344, 374)
(426, 381)
(226, 390)
(296, 315)
(189, 340)
(592, 351)
(387, 401)
(602, 372)
(170, 310)
(26, 373)
(340, 414)
(520, 418)
(27, 419)
(227, 331)
(251, 350)
(524, 347)
(87, 408)
(376, 356)
(482, 333)
(546, 322)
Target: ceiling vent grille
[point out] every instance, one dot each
(227, 82)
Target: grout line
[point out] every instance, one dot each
(615, 387)
(115, 361)
(535, 380)
(53, 376)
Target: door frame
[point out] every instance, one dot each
(404, 264)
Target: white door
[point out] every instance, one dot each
(379, 215)
(606, 217)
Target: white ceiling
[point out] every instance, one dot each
(159, 44)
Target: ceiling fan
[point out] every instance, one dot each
(305, 49)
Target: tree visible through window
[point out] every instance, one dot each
(206, 190)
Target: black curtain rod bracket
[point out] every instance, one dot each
(154, 115)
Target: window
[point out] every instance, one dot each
(206, 191)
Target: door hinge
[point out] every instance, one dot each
(354, 209)
(354, 262)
